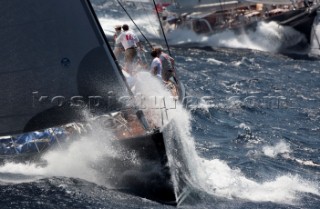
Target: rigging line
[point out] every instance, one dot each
(134, 23)
(221, 5)
(164, 35)
(150, 22)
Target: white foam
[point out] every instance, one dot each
(76, 160)
(244, 126)
(214, 61)
(267, 37)
(221, 180)
(280, 148)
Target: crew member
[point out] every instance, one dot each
(118, 48)
(168, 70)
(129, 41)
(156, 65)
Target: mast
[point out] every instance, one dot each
(163, 33)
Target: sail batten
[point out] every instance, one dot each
(54, 59)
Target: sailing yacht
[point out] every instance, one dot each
(207, 17)
(57, 68)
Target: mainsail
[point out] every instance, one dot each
(55, 62)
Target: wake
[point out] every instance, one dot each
(215, 177)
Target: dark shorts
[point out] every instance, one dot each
(166, 74)
(130, 54)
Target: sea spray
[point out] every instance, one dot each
(77, 159)
(214, 176)
(174, 121)
(281, 37)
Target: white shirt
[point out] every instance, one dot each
(156, 63)
(128, 39)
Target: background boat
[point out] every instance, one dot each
(206, 18)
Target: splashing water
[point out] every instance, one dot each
(273, 151)
(74, 160)
(215, 176)
(266, 37)
(80, 158)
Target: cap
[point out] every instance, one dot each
(158, 48)
(117, 27)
